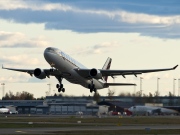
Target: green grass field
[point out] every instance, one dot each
(106, 120)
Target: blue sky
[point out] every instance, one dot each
(137, 34)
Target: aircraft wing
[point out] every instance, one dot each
(85, 72)
(31, 71)
(132, 72)
(120, 84)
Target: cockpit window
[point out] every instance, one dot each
(50, 49)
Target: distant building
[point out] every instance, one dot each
(85, 105)
(23, 106)
(54, 105)
(71, 105)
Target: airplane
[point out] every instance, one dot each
(150, 110)
(64, 66)
(12, 109)
(4, 110)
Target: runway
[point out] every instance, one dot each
(71, 126)
(90, 128)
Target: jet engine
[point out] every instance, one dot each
(95, 73)
(39, 73)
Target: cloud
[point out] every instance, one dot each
(130, 17)
(16, 39)
(104, 47)
(17, 77)
(154, 76)
(21, 78)
(19, 60)
(39, 5)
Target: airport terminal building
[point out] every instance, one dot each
(54, 105)
(86, 105)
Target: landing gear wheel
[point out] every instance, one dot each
(59, 89)
(92, 87)
(63, 89)
(91, 90)
(95, 90)
(57, 86)
(60, 85)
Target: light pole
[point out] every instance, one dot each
(49, 89)
(178, 86)
(157, 94)
(174, 87)
(134, 90)
(141, 86)
(54, 92)
(3, 89)
(46, 93)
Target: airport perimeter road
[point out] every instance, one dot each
(94, 128)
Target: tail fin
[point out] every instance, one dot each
(107, 66)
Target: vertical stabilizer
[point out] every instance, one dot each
(107, 66)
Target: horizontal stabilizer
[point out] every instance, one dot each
(120, 84)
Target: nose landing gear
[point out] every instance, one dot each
(60, 85)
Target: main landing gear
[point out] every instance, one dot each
(92, 87)
(60, 87)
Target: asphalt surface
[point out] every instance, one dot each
(94, 128)
(88, 127)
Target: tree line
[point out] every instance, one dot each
(18, 96)
(28, 96)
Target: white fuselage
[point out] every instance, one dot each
(4, 110)
(151, 110)
(66, 65)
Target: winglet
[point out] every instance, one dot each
(2, 67)
(175, 67)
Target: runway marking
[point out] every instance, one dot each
(21, 132)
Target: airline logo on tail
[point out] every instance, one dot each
(107, 66)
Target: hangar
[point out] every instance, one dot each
(54, 105)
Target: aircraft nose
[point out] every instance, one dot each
(47, 50)
(47, 54)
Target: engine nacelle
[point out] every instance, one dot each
(95, 73)
(39, 73)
